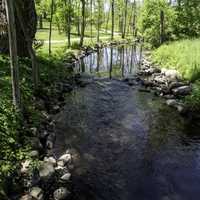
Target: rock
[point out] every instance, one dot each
(61, 163)
(34, 154)
(37, 193)
(44, 134)
(25, 167)
(61, 193)
(49, 144)
(66, 177)
(34, 131)
(171, 74)
(66, 158)
(26, 197)
(183, 90)
(51, 160)
(55, 109)
(171, 102)
(46, 170)
(176, 84)
(35, 143)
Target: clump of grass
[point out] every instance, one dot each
(183, 56)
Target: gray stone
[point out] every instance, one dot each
(26, 197)
(66, 177)
(34, 154)
(171, 102)
(37, 193)
(46, 170)
(66, 158)
(49, 144)
(61, 163)
(51, 160)
(61, 193)
(183, 90)
(25, 166)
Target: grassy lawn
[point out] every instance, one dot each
(183, 56)
(59, 40)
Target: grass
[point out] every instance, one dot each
(184, 56)
(59, 40)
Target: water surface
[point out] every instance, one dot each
(128, 145)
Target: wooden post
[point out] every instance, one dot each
(13, 53)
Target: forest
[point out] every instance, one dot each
(100, 99)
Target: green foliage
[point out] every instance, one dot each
(182, 56)
(194, 99)
(149, 21)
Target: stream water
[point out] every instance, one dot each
(127, 144)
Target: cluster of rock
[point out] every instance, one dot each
(49, 181)
(166, 83)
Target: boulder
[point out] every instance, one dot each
(25, 166)
(66, 177)
(37, 193)
(51, 160)
(66, 158)
(171, 102)
(61, 193)
(46, 171)
(183, 90)
(26, 197)
(34, 154)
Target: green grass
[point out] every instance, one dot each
(183, 56)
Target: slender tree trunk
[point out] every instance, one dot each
(35, 70)
(13, 53)
(125, 20)
(113, 19)
(91, 18)
(98, 25)
(83, 23)
(107, 21)
(50, 26)
(162, 27)
(41, 22)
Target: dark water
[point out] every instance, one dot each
(128, 145)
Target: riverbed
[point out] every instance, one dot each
(126, 144)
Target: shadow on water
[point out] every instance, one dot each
(127, 145)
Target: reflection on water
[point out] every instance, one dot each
(127, 145)
(118, 61)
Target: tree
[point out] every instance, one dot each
(30, 20)
(13, 53)
(113, 20)
(50, 25)
(83, 2)
(150, 21)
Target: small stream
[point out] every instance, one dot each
(127, 144)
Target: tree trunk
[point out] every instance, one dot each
(41, 22)
(30, 20)
(83, 23)
(50, 26)
(125, 20)
(113, 19)
(13, 53)
(162, 37)
(98, 25)
(35, 70)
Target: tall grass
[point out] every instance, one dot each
(183, 56)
